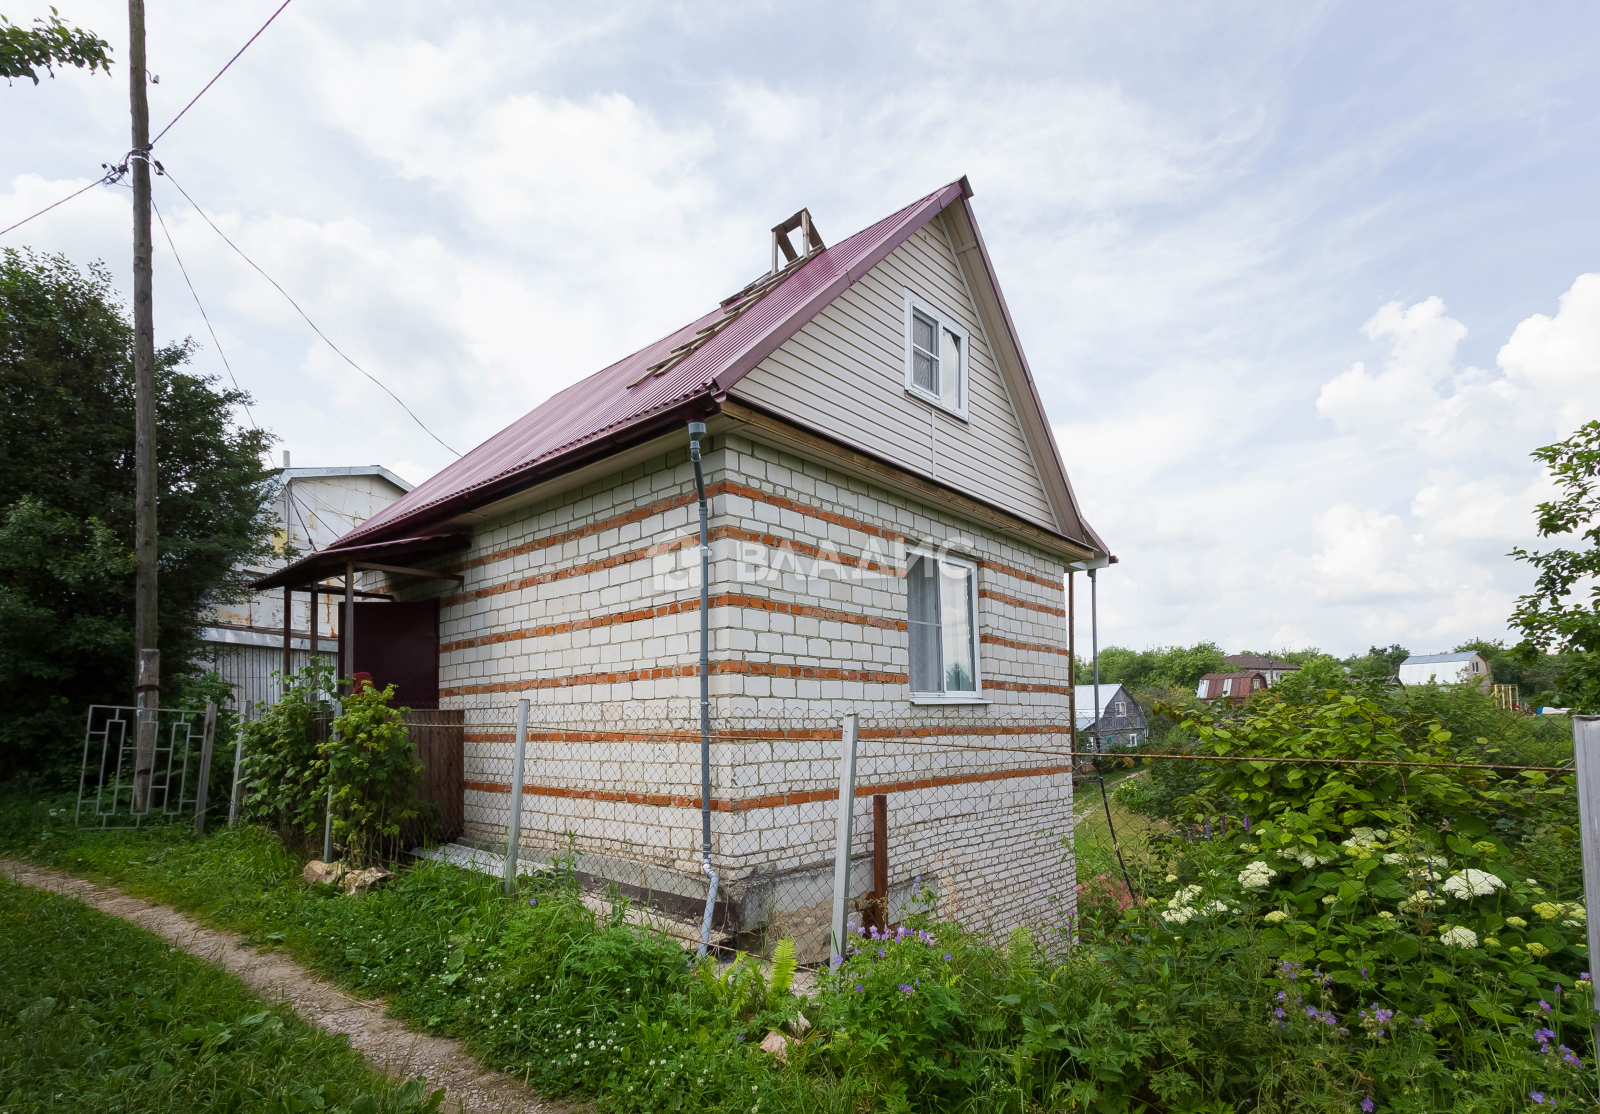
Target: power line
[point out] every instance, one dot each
(302, 313)
(220, 72)
(113, 173)
(107, 178)
(185, 272)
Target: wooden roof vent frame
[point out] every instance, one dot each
(810, 239)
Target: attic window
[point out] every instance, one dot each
(1227, 687)
(936, 356)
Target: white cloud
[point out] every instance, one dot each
(1557, 359)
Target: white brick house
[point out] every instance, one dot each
(891, 527)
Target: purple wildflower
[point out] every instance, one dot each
(1536, 1096)
(533, 901)
(1367, 1105)
(947, 957)
(1364, 974)
(860, 987)
(1543, 1005)
(1570, 1058)
(906, 988)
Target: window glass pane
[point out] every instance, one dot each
(922, 590)
(924, 354)
(950, 369)
(955, 615)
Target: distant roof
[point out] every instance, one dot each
(683, 375)
(1432, 659)
(1085, 693)
(1235, 676)
(348, 470)
(1256, 661)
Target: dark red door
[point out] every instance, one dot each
(398, 644)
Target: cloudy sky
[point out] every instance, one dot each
(1302, 283)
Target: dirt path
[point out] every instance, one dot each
(386, 1043)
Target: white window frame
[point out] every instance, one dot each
(915, 303)
(1227, 686)
(945, 696)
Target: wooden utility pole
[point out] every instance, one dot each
(148, 695)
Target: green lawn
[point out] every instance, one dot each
(1091, 837)
(98, 1015)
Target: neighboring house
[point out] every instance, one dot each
(315, 506)
(1447, 669)
(1122, 721)
(1234, 688)
(1270, 668)
(890, 525)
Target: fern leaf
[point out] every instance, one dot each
(783, 966)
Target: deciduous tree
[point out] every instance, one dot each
(1563, 610)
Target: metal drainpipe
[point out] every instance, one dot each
(1094, 638)
(696, 431)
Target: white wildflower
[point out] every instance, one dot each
(1183, 897)
(1458, 937)
(1277, 916)
(1257, 875)
(1471, 883)
(1178, 916)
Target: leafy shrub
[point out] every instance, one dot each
(286, 788)
(371, 766)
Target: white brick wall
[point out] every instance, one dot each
(587, 604)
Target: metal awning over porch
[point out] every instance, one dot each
(392, 556)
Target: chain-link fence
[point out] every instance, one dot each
(968, 811)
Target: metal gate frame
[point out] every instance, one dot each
(180, 769)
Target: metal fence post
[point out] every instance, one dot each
(238, 773)
(327, 829)
(1586, 752)
(844, 829)
(514, 828)
(203, 782)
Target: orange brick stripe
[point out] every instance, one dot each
(638, 514)
(1038, 647)
(770, 800)
(779, 734)
(758, 669)
(1023, 686)
(536, 579)
(806, 610)
(635, 616)
(773, 541)
(996, 566)
(639, 615)
(1001, 597)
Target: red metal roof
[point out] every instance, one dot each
(605, 403)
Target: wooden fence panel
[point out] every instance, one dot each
(438, 734)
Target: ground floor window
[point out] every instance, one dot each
(942, 613)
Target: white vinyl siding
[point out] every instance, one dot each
(844, 375)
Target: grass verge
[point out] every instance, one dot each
(97, 1014)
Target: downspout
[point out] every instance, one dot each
(696, 431)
